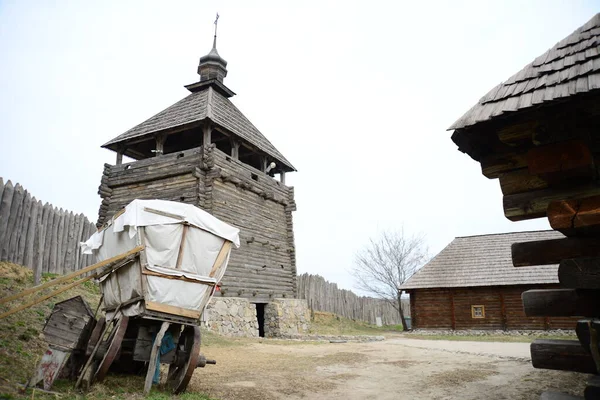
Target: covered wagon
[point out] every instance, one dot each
(166, 259)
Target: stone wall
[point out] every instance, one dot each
(230, 316)
(285, 317)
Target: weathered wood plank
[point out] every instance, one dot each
(60, 245)
(15, 208)
(563, 355)
(31, 235)
(5, 207)
(52, 266)
(70, 243)
(534, 204)
(40, 246)
(495, 165)
(559, 158)
(561, 303)
(24, 225)
(520, 181)
(553, 251)
(581, 273)
(576, 216)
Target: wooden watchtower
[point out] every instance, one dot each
(539, 134)
(202, 150)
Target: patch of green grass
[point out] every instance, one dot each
(489, 338)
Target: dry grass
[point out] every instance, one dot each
(324, 323)
(460, 376)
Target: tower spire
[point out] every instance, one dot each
(215, 38)
(212, 65)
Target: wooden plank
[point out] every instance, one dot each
(23, 226)
(70, 243)
(59, 242)
(572, 156)
(51, 241)
(553, 251)
(563, 355)
(164, 213)
(31, 235)
(5, 206)
(186, 227)
(154, 357)
(39, 247)
(575, 216)
(74, 274)
(184, 312)
(561, 303)
(221, 257)
(534, 204)
(15, 208)
(177, 278)
(520, 181)
(581, 273)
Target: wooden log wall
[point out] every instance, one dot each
(264, 267)
(322, 295)
(40, 236)
(451, 309)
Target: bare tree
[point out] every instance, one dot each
(386, 263)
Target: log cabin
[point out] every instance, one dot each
(538, 134)
(203, 151)
(472, 284)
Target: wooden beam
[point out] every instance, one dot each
(282, 177)
(221, 257)
(453, 312)
(553, 251)
(575, 216)
(235, 148)
(165, 308)
(160, 144)
(560, 160)
(206, 134)
(520, 181)
(494, 166)
(561, 303)
(64, 278)
(534, 204)
(562, 355)
(581, 273)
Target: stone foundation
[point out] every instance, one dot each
(284, 317)
(231, 316)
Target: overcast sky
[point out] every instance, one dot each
(357, 95)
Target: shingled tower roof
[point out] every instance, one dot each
(209, 100)
(570, 68)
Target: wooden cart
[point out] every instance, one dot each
(169, 259)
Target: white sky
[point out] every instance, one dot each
(357, 95)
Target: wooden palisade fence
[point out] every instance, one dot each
(40, 236)
(322, 295)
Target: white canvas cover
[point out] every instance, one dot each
(161, 223)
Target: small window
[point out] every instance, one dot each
(477, 311)
(255, 177)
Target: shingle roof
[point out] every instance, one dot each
(571, 67)
(483, 261)
(211, 104)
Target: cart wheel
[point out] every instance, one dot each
(186, 359)
(115, 338)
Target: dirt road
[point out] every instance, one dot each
(397, 368)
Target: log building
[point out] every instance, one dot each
(472, 284)
(202, 150)
(538, 133)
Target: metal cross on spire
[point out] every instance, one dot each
(215, 39)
